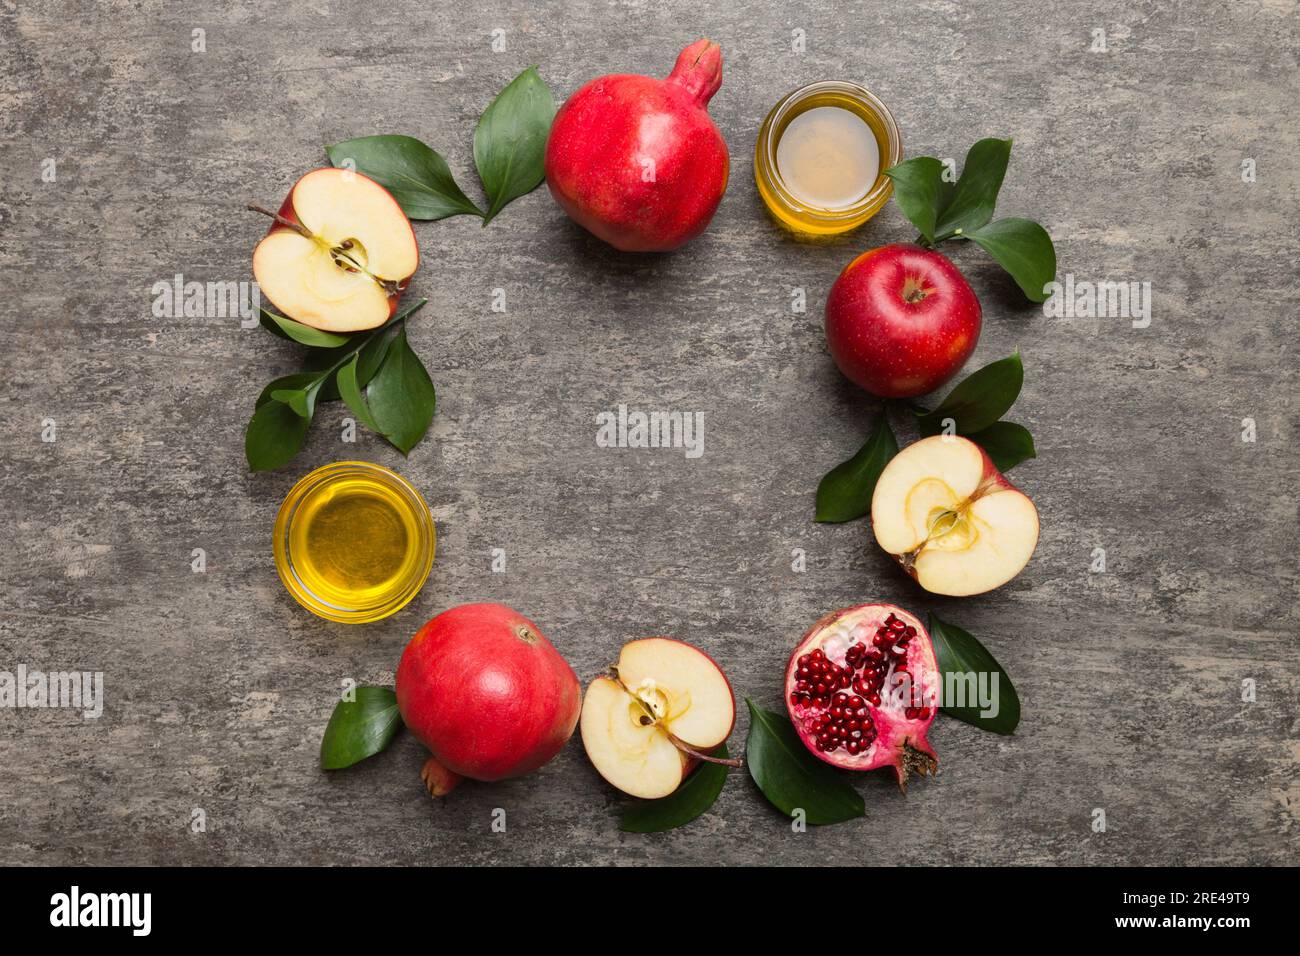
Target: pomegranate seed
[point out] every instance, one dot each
(817, 655)
(874, 699)
(910, 713)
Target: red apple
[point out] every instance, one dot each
(340, 253)
(487, 694)
(637, 160)
(900, 320)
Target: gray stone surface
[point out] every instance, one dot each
(219, 685)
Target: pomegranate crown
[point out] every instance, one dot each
(699, 70)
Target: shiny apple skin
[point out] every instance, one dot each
(613, 131)
(893, 347)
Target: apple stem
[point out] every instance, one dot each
(295, 226)
(389, 286)
(698, 754)
(676, 741)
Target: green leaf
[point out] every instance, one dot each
(979, 400)
(301, 400)
(274, 435)
(959, 653)
(297, 380)
(790, 777)
(271, 439)
(419, 179)
(973, 199)
(351, 392)
(373, 353)
(401, 396)
(1024, 249)
(683, 805)
(360, 728)
(1007, 443)
(297, 332)
(920, 191)
(321, 362)
(845, 492)
(510, 140)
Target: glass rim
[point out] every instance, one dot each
(362, 612)
(876, 197)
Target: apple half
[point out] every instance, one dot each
(340, 253)
(660, 711)
(950, 518)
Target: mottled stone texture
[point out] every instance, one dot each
(219, 685)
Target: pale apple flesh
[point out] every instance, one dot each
(638, 759)
(662, 701)
(345, 265)
(951, 519)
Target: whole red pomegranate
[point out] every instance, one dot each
(863, 687)
(487, 694)
(637, 160)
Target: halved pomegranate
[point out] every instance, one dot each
(863, 688)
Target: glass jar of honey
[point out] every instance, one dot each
(354, 542)
(821, 157)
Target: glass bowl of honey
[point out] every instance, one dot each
(354, 542)
(821, 157)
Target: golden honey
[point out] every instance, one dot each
(821, 157)
(828, 157)
(354, 542)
